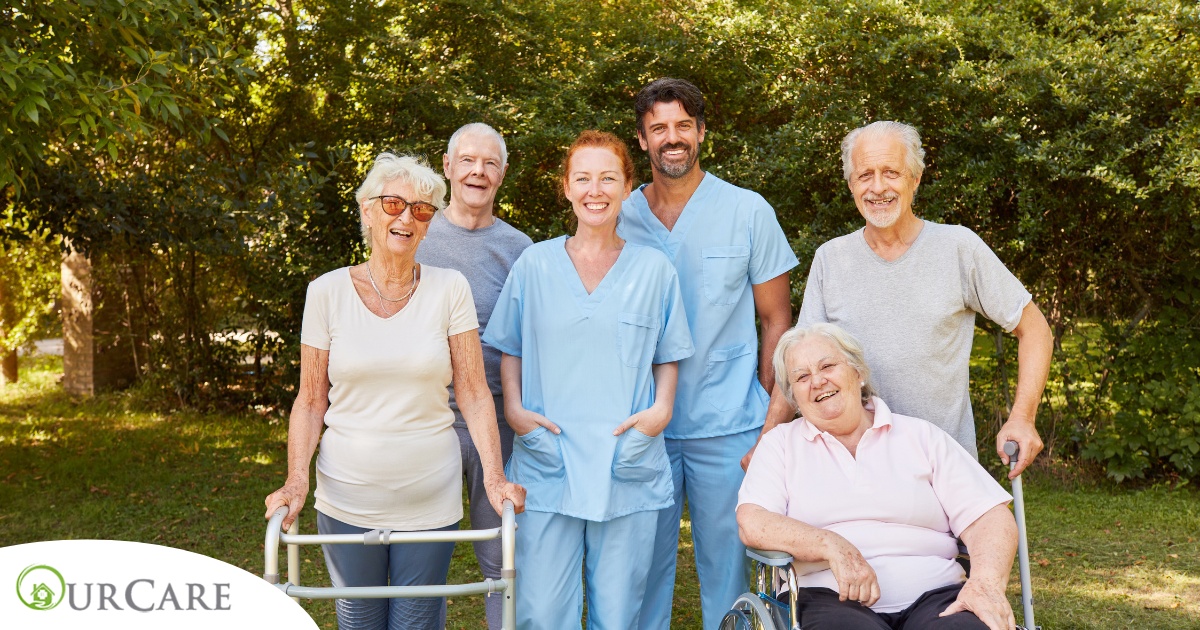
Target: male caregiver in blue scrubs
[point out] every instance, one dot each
(733, 261)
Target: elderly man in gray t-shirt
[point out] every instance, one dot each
(468, 237)
(909, 290)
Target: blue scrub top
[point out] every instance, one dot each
(726, 240)
(586, 365)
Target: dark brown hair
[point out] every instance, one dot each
(667, 90)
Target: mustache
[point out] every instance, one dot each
(671, 147)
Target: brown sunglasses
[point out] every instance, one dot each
(394, 205)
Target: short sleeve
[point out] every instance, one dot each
(993, 291)
(812, 309)
(675, 340)
(770, 252)
(314, 328)
(765, 484)
(965, 490)
(462, 306)
(504, 327)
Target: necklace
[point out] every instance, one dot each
(411, 287)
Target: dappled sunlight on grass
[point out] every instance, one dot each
(106, 467)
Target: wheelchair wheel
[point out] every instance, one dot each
(749, 613)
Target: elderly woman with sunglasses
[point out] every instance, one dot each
(380, 343)
(869, 503)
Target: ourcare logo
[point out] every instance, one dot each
(41, 587)
(100, 584)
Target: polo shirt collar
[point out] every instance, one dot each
(883, 418)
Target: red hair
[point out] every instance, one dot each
(600, 140)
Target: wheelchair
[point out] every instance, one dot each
(507, 533)
(775, 580)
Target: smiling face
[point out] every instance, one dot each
(882, 184)
(397, 235)
(826, 388)
(596, 186)
(475, 171)
(672, 138)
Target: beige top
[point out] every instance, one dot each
(389, 456)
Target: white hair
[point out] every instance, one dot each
(850, 348)
(914, 155)
(480, 128)
(411, 170)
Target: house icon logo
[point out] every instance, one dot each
(41, 587)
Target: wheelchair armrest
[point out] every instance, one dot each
(769, 558)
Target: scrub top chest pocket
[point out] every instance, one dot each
(637, 336)
(725, 273)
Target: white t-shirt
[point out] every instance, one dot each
(389, 456)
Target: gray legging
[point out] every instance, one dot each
(379, 565)
(483, 516)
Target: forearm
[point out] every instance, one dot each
(475, 400)
(666, 378)
(992, 542)
(510, 384)
(772, 303)
(1035, 349)
(308, 411)
(304, 433)
(764, 529)
(779, 411)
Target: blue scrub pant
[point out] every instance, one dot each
(383, 565)
(614, 555)
(709, 472)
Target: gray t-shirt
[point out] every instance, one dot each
(915, 316)
(484, 256)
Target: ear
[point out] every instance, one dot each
(642, 140)
(701, 128)
(446, 165)
(503, 172)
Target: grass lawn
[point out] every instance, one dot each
(1105, 557)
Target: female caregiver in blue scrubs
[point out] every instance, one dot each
(590, 328)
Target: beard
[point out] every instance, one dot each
(882, 219)
(674, 170)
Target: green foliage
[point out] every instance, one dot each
(29, 286)
(1065, 133)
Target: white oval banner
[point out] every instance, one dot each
(119, 584)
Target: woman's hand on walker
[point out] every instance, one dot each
(498, 489)
(292, 495)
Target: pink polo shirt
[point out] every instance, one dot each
(902, 501)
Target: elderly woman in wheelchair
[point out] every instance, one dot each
(868, 503)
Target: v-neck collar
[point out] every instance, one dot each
(673, 238)
(588, 302)
(862, 237)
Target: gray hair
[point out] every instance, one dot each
(914, 155)
(410, 170)
(850, 348)
(480, 128)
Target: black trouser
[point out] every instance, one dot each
(819, 608)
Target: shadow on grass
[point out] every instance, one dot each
(106, 468)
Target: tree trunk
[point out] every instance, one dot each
(8, 367)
